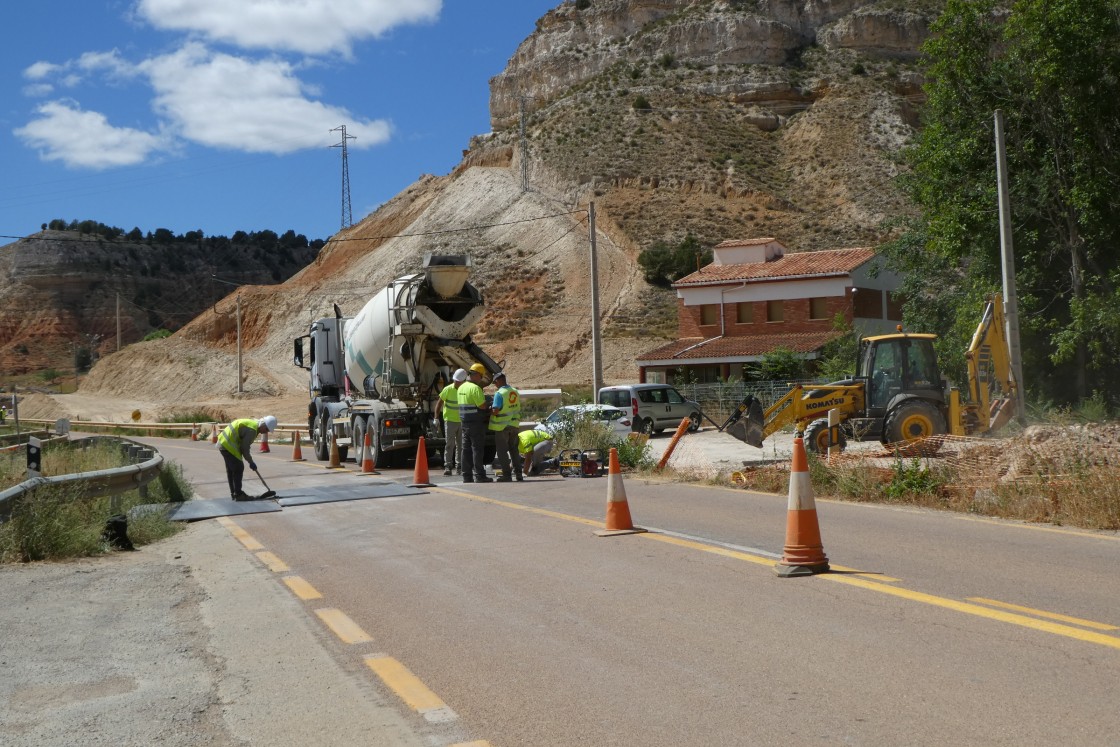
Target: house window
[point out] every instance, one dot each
(709, 314)
(775, 311)
(894, 306)
(867, 303)
(744, 313)
(818, 308)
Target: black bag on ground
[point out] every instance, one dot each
(116, 533)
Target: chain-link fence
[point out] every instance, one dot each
(719, 400)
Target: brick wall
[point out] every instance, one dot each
(796, 312)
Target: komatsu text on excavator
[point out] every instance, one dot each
(897, 394)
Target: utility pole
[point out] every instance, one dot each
(347, 217)
(596, 349)
(240, 386)
(1007, 251)
(118, 322)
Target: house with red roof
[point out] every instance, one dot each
(755, 298)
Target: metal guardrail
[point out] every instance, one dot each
(154, 429)
(97, 483)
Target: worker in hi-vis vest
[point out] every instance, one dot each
(452, 424)
(474, 412)
(534, 447)
(505, 417)
(234, 443)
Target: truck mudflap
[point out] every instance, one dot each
(747, 429)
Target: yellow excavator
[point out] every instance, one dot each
(897, 394)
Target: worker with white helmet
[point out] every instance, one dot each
(234, 443)
(452, 424)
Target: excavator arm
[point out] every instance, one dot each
(797, 407)
(992, 388)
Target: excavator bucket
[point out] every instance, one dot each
(746, 422)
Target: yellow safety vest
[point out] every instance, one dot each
(228, 438)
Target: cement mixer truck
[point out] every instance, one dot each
(381, 371)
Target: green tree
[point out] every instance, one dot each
(664, 263)
(1052, 67)
(777, 365)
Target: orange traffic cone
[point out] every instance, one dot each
(369, 459)
(214, 433)
(194, 431)
(336, 460)
(420, 474)
(264, 444)
(618, 510)
(803, 554)
(297, 452)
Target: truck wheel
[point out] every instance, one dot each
(359, 429)
(816, 437)
(694, 422)
(914, 420)
(647, 427)
(319, 439)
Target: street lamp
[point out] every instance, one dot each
(240, 389)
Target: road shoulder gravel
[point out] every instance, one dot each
(190, 641)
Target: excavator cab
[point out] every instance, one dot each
(897, 364)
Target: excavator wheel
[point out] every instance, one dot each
(816, 437)
(911, 424)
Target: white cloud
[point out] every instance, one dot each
(63, 132)
(316, 27)
(39, 70)
(110, 62)
(38, 90)
(223, 101)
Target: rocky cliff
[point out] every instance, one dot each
(719, 119)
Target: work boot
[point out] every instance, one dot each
(504, 478)
(519, 477)
(483, 478)
(447, 472)
(241, 495)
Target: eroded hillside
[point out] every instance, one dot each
(716, 119)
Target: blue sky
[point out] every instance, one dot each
(216, 115)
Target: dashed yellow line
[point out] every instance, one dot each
(410, 689)
(242, 536)
(275, 564)
(342, 626)
(301, 588)
(1043, 613)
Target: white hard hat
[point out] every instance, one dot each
(269, 422)
(459, 375)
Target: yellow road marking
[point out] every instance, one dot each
(1043, 613)
(409, 688)
(342, 626)
(242, 536)
(301, 588)
(519, 507)
(275, 564)
(978, 611)
(852, 579)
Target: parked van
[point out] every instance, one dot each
(653, 407)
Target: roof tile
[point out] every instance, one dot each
(801, 264)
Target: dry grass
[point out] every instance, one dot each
(1056, 475)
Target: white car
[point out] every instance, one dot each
(614, 418)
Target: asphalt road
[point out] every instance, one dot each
(492, 614)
